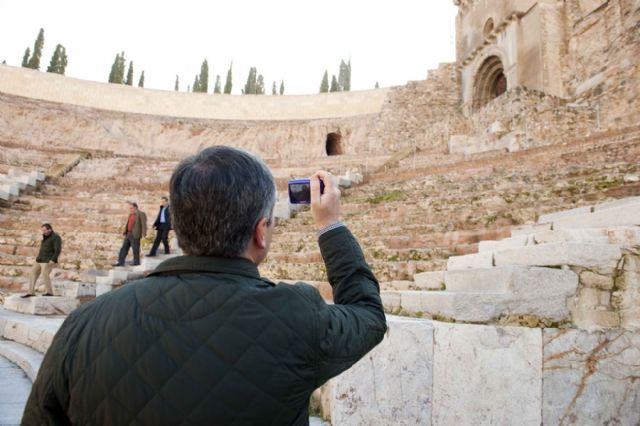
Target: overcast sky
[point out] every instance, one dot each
(290, 40)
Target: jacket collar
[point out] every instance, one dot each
(182, 264)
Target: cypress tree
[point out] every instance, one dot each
(141, 81)
(281, 87)
(34, 62)
(217, 89)
(196, 84)
(274, 89)
(176, 86)
(25, 58)
(204, 77)
(377, 85)
(58, 62)
(129, 81)
(229, 83)
(334, 84)
(114, 66)
(260, 85)
(250, 86)
(343, 76)
(324, 85)
(347, 81)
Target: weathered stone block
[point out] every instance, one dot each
(40, 305)
(589, 235)
(392, 384)
(599, 257)
(595, 319)
(507, 243)
(429, 280)
(551, 217)
(591, 279)
(73, 289)
(470, 261)
(390, 300)
(529, 228)
(591, 377)
(486, 375)
(620, 215)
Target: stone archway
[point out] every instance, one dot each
(333, 145)
(490, 82)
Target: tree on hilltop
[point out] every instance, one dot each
(176, 86)
(260, 85)
(34, 61)
(377, 86)
(274, 88)
(324, 85)
(129, 80)
(25, 58)
(344, 76)
(281, 87)
(228, 85)
(203, 80)
(196, 84)
(217, 89)
(252, 82)
(141, 81)
(334, 84)
(117, 69)
(58, 63)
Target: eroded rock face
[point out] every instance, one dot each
(486, 375)
(591, 378)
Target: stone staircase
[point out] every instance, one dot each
(567, 269)
(16, 181)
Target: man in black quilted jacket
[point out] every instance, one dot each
(204, 340)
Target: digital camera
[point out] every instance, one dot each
(300, 191)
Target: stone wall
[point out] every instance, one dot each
(428, 372)
(421, 114)
(40, 123)
(603, 61)
(55, 88)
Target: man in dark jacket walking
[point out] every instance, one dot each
(50, 248)
(204, 340)
(162, 225)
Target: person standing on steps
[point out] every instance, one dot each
(50, 248)
(162, 225)
(135, 229)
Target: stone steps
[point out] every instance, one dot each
(29, 360)
(41, 305)
(484, 295)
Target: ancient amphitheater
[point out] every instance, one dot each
(498, 202)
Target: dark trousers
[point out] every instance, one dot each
(161, 235)
(129, 242)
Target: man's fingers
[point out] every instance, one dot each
(315, 189)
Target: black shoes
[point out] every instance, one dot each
(115, 265)
(47, 294)
(26, 296)
(150, 255)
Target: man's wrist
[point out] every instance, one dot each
(331, 227)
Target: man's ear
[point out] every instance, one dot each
(260, 233)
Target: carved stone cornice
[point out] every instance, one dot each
(488, 41)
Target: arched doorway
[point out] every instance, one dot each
(490, 82)
(334, 144)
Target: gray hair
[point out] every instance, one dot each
(217, 198)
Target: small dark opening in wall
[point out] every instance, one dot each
(334, 144)
(500, 85)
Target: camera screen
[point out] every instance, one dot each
(300, 193)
